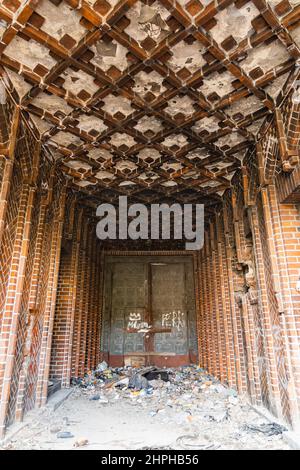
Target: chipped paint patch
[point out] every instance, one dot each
(60, 20)
(218, 83)
(124, 165)
(197, 154)
(210, 124)
(149, 123)
(295, 33)
(65, 138)
(265, 56)
(99, 154)
(21, 86)
(235, 22)
(148, 83)
(169, 184)
(89, 123)
(180, 105)
(104, 175)
(276, 86)
(118, 139)
(149, 155)
(77, 81)
(171, 166)
(230, 139)
(42, 125)
(245, 106)
(109, 55)
(146, 21)
(78, 165)
(29, 53)
(117, 104)
(178, 140)
(187, 56)
(51, 103)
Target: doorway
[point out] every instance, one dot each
(149, 315)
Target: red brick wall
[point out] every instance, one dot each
(76, 334)
(24, 267)
(51, 273)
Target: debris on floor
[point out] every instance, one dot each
(150, 408)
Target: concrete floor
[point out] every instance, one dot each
(203, 418)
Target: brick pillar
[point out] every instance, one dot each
(70, 320)
(80, 302)
(233, 307)
(8, 171)
(265, 311)
(34, 287)
(217, 307)
(45, 355)
(12, 307)
(100, 277)
(228, 346)
(280, 230)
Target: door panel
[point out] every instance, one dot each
(129, 294)
(155, 295)
(168, 308)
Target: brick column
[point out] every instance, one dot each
(230, 371)
(8, 170)
(265, 310)
(80, 303)
(46, 343)
(285, 237)
(237, 358)
(12, 307)
(70, 320)
(216, 310)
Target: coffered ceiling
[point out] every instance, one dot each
(156, 100)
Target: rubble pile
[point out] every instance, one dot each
(185, 396)
(150, 408)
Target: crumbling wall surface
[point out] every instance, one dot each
(252, 243)
(31, 211)
(76, 334)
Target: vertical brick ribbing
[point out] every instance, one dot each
(48, 319)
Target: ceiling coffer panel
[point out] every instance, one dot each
(150, 99)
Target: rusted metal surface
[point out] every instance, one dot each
(149, 310)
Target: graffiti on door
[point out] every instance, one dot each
(174, 320)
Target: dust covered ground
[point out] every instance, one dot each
(187, 410)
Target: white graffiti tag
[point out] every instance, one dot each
(173, 320)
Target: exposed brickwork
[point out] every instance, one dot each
(52, 269)
(78, 309)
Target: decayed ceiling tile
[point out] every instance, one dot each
(89, 123)
(51, 103)
(180, 104)
(29, 53)
(148, 83)
(235, 22)
(187, 56)
(140, 83)
(149, 123)
(117, 104)
(111, 54)
(60, 21)
(147, 21)
(266, 57)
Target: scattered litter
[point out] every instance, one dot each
(55, 429)
(64, 435)
(268, 429)
(82, 442)
(150, 407)
(95, 397)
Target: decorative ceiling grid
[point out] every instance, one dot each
(152, 99)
